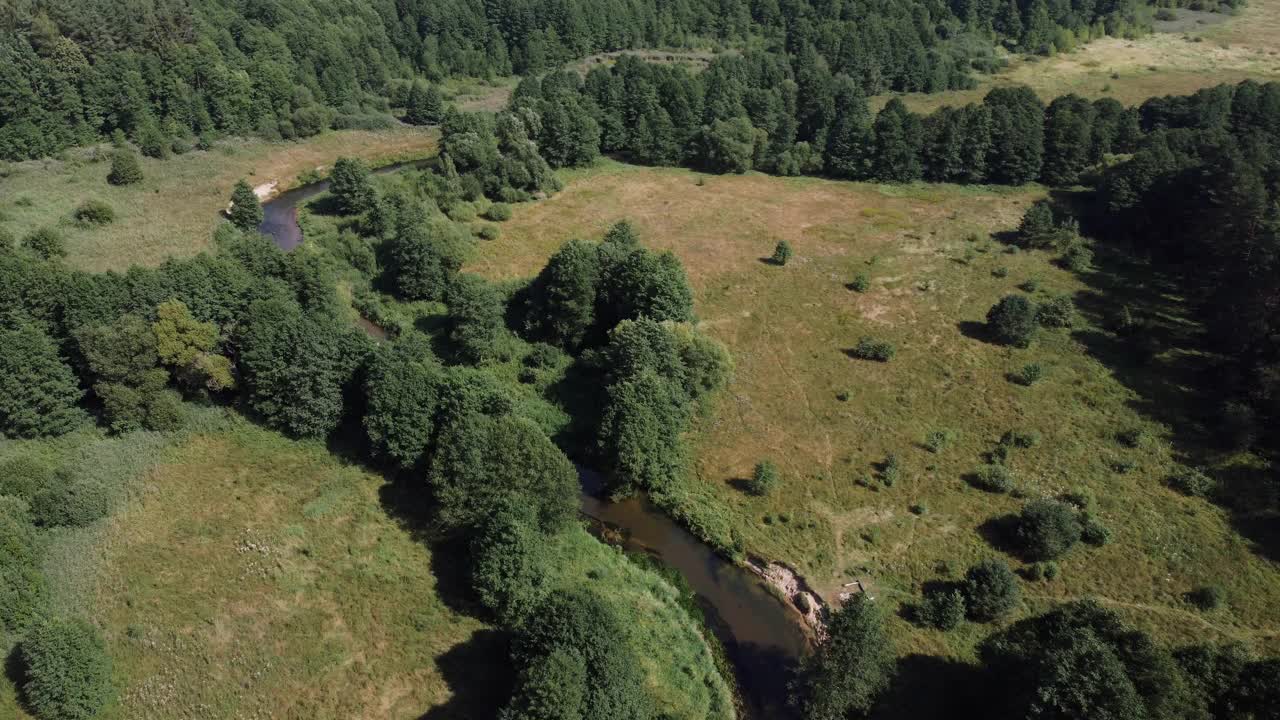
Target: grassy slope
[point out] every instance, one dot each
(1162, 63)
(173, 211)
(788, 329)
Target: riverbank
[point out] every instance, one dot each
(174, 210)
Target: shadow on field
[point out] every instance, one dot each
(1144, 331)
(926, 686)
(479, 677)
(975, 330)
(16, 671)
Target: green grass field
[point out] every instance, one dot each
(931, 285)
(173, 211)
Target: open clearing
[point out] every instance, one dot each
(788, 329)
(1202, 55)
(173, 211)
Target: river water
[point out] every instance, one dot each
(761, 633)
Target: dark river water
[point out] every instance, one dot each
(761, 633)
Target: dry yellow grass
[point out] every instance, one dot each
(788, 329)
(1243, 47)
(173, 211)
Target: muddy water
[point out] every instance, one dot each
(761, 632)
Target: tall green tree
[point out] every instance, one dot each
(38, 391)
(425, 104)
(846, 674)
(246, 210)
(1017, 134)
(350, 184)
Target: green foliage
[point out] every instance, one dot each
(68, 671)
(846, 674)
(94, 212)
(1078, 257)
(425, 105)
(424, 257)
(187, 346)
(764, 479)
(727, 146)
(1012, 321)
(1056, 312)
(991, 590)
(1037, 228)
(1024, 439)
(938, 440)
(22, 585)
(124, 365)
(1079, 660)
(1046, 529)
(498, 212)
(295, 366)
(1194, 482)
(508, 571)
(993, 478)
(67, 500)
(861, 283)
(38, 391)
(125, 168)
(869, 348)
(351, 186)
(1028, 374)
(46, 243)
(1093, 532)
(474, 322)
(561, 304)
(402, 391)
(891, 470)
(246, 211)
(1207, 597)
(1133, 437)
(943, 609)
(781, 253)
(481, 461)
(636, 283)
(573, 664)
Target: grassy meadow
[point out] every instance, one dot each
(173, 211)
(1197, 50)
(827, 419)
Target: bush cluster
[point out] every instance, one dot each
(869, 348)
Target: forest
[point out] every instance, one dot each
(167, 73)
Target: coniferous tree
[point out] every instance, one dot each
(425, 105)
(849, 139)
(897, 144)
(351, 186)
(125, 168)
(38, 391)
(246, 210)
(1017, 135)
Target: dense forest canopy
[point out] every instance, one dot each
(160, 70)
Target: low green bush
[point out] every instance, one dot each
(1046, 529)
(993, 478)
(781, 253)
(892, 470)
(94, 212)
(861, 283)
(990, 590)
(1207, 597)
(1093, 532)
(1024, 439)
(1028, 374)
(68, 501)
(46, 243)
(871, 349)
(498, 212)
(938, 440)
(1133, 437)
(1190, 481)
(488, 232)
(22, 584)
(1056, 312)
(943, 609)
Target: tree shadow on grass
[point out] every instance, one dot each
(479, 675)
(975, 330)
(15, 670)
(998, 533)
(926, 686)
(764, 674)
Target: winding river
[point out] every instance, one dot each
(761, 633)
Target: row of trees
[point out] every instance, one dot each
(791, 115)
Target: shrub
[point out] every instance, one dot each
(872, 349)
(993, 478)
(861, 283)
(498, 212)
(488, 232)
(543, 355)
(1027, 375)
(1037, 229)
(1190, 481)
(919, 509)
(68, 501)
(990, 590)
(1012, 321)
(125, 168)
(1030, 285)
(764, 480)
(781, 253)
(1078, 257)
(180, 146)
(94, 212)
(46, 243)
(1000, 272)
(1024, 439)
(1207, 597)
(938, 440)
(461, 211)
(152, 141)
(23, 476)
(1056, 312)
(892, 470)
(68, 672)
(1042, 571)
(1093, 532)
(1082, 498)
(943, 609)
(1133, 437)
(1046, 529)
(246, 209)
